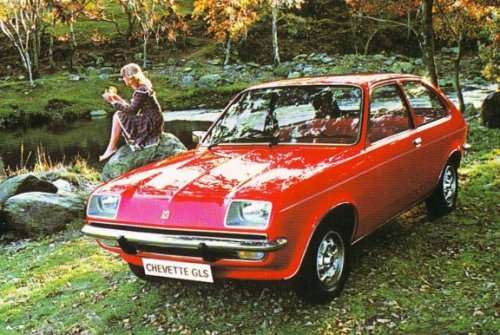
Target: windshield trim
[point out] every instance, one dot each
(240, 94)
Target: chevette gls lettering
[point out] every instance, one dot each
(289, 177)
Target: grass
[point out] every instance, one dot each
(413, 276)
(57, 99)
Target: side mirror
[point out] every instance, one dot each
(197, 136)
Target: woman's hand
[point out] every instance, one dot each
(112, 98)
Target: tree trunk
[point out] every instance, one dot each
(276, 53)
(130, 27)
(227, 50)
(52, 63)
(368, 42)
(36, 53)
(145, 51)
(456, 80)
(428, 32)
(73, 45)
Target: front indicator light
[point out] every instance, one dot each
(251, 255)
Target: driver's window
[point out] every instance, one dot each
(388, 113)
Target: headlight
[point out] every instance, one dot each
(248, 214)
(103, 205)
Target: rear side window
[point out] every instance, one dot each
(424, 102)
(388, 113)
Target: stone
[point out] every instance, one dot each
(171, 61)
(215, 61)
(282, 70)
(63, 186)
(419, 61)
(99, 113)
(402, 67)
(91, 71)
(125, 159)
(490, 110)
(378, 57)
(22, 184)
(74, 77)
(294, 74)
(209, 80)
(300, 57)
(187, 81)
(253, 64)
(187, 69)
(106, 70)
(104, 76)
(40, 213)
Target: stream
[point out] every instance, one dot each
(88, 138)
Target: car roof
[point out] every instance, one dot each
(345, 79)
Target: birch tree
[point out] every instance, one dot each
(20, 21)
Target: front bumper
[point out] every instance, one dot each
(184, 241)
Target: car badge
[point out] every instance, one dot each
(165, 214)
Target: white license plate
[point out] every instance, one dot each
(178, 270)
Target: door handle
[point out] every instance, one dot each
(418, 141)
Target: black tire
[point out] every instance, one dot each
(309, 284)
(138, 271)
(444, 197)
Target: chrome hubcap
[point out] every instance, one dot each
(330, 260)
(449, 185)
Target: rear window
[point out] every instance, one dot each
(424, 102)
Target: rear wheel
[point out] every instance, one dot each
(325, 266)
(444, 198)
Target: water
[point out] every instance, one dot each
(88, 138)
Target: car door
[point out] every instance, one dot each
(432, 126)
(388, 183)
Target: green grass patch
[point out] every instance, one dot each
(413, 276)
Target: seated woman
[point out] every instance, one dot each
(141, 121)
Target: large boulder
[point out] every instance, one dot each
(490, 112)
(39, 213)
(22, 184)
(125, 159)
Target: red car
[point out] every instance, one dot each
(289, 177)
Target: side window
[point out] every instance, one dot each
(424, 102)
(388, 113)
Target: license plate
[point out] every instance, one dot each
(178, 270)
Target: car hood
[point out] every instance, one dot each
(194, 189)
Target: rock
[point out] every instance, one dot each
(309, 70)
(294, 74)
(91, 71)
(215, 61)
(449, 50)
(106, 70)
(104, 76)
(187, 81)
(40, 213)
(300, 57)
(74, 77)
(22, 184)
(99, 113)
(445, 83)
(187, 69)
(282, 70)
(63, 186)
(490, 110)
(209, 80)
(378, 57)
(171, 61)
(254, 65)
(402, 67)
(125, 159)
(419, 61)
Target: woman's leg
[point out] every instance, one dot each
(116, 131)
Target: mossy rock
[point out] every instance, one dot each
(40, 213)
(490, 112)
(23, 184)
(125, 159)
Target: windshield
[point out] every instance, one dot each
(299, 114)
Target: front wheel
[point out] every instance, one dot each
(444, 197)
(325, 266)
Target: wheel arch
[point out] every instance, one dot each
(349, 223)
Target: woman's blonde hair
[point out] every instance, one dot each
(134, 72)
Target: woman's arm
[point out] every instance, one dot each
(135, 104)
